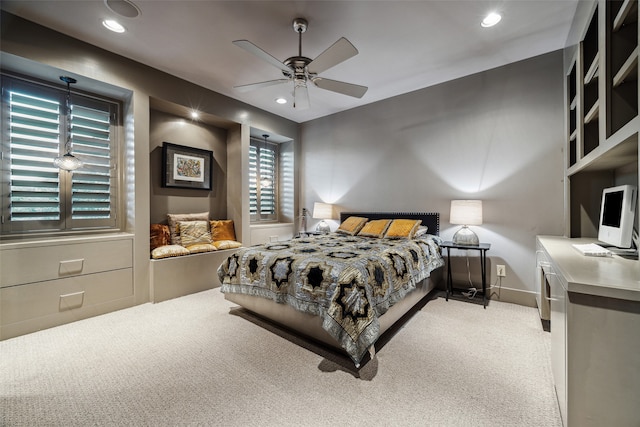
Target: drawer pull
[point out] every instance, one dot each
(71, 301)
(71, 266)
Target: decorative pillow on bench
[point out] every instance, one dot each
(159, 236)
(222, 229)
(193, 234)
(173, 220)
(169, 251)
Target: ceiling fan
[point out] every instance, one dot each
(301, 70)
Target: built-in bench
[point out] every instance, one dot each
(186, 274)
(177, 270)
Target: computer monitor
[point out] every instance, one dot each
(617, 213)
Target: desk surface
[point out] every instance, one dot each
(613, 277)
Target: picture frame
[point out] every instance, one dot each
(186, 167)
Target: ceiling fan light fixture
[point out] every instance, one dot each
(299, 69)
(491, 19)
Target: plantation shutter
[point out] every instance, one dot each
(263, 166)
(268, 202)
(34, 140)
(91, 185)
(36, 195)
(253, 182)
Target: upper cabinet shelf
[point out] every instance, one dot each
(591, 58)
(628, 70)
(601, 108)
(602, 90)
(628, 13)
(592, 72)
(621, 36)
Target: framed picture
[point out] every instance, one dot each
(186, 167)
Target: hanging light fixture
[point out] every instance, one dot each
(265, 182)
(68, 161)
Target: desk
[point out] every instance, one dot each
(595, 319)
(483, 248)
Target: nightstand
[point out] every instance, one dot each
(483, 248)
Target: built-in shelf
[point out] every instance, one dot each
(621, 53)
(610, 155)
(592, 72)
(573, 104)
(628, 9)
(628, 69)
(573, 136)
(592, 113)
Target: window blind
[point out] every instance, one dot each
(91, 184)
(36, 195)
(34, 140)
(263, 181)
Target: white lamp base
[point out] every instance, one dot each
(323, 227)
(466, 237)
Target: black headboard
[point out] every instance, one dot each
(430, 219)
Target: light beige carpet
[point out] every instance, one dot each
(189, 361)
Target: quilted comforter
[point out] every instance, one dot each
(348, 281)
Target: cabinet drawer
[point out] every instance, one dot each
(27, 308)
(61, 261)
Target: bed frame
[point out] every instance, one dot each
(311, 326)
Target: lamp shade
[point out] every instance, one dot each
(466, 212)
(322, 210)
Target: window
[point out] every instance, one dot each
(263, 181)
(38, 197)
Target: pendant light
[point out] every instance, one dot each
(266, 181)
(68, 161)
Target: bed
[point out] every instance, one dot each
(341, 289)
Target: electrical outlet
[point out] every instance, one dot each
(501, 270)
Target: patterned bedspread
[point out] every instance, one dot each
(347, 280)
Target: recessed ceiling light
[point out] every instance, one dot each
(194, 115)
(491, 19)
(113, 26)
(123, 8)
(281, 100)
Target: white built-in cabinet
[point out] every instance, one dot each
(46, 283)
(602, 121)
(595, 330)
(595, 302)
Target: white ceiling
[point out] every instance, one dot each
(403, 45)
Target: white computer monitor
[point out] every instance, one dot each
(617, 213)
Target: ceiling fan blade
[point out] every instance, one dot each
(251, 86)
(349, 89)
(336, 53)
(300, 97)
(252, 48)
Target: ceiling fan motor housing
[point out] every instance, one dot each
(298, 65)
(300, 69)
(300, 25)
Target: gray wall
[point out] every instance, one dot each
(495, 136)
(164, 127)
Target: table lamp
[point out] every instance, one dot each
(465, 213)
(322, 211)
